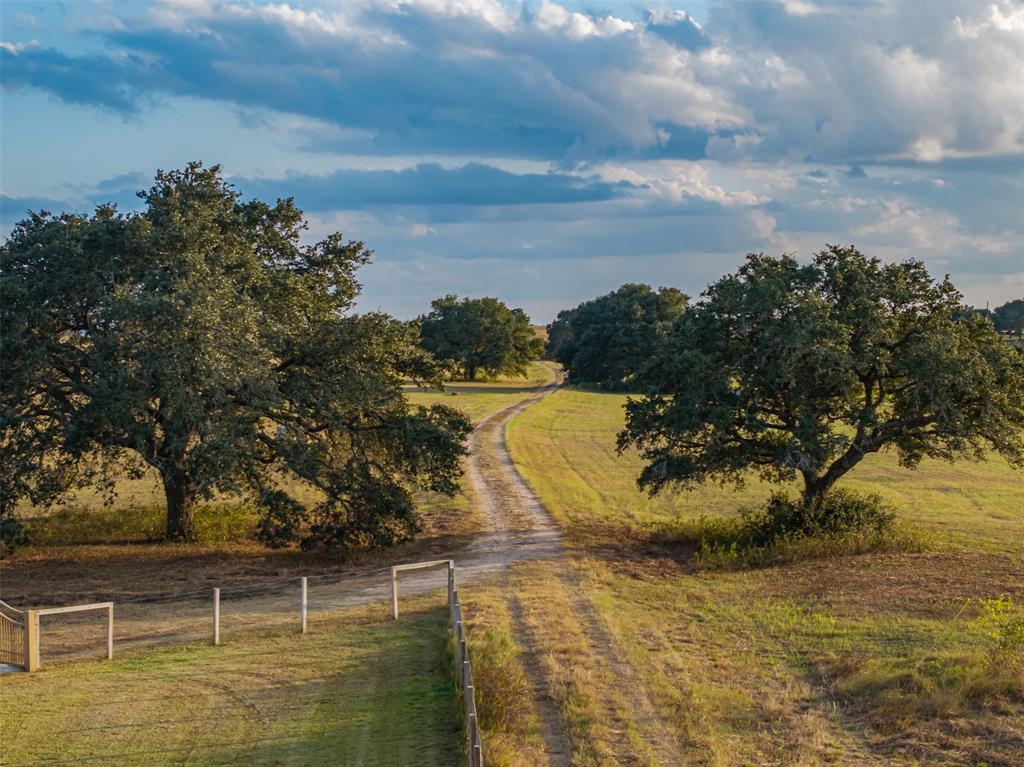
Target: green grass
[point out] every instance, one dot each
(482, 398)
(137, 512)
(565, 446)
(359, 690)
(868, 659)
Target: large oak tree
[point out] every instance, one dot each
(609, 340)
(202, 337)
(792, 369)
(479, 334)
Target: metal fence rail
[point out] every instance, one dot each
(463, 668)
(196, 615)
(12, 640)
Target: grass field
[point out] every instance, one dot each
(136, 512)
(481, 398)
(565, 446)
(870, 659)
(357, 690)
(84, 549)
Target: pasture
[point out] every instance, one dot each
(875, 658)
(624, 649)
(85, 549)
(358, 689)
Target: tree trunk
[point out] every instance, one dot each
(470, 371)
(181, 502)
(816, 488)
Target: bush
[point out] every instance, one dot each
(12, 535)
(1003, 625)
(785, 531)
(840, 513)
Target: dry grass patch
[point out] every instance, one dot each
(874, 658)
(509, 719)
(572, 685)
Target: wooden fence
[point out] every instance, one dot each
(463, 668)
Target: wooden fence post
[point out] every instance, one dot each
(216, 616)
(110, 631)
(302, 606)
(394, 593)
(31, 640)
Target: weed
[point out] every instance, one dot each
(503, 699)
(1002, 623)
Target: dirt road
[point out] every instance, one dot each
(518, 530)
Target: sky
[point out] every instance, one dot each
(541, 152)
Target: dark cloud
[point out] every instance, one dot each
(96, 80)
(428, 184)
(13, 209)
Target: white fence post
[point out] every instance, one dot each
(394, 593)
(302, 607)
(110, 631)
(216, 616)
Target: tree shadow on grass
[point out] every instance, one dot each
(397, 704)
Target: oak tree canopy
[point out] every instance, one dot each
(202, 337)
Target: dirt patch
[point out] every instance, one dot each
(926, 585)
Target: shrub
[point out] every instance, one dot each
(840, 513)
(1003, 625)
(12, 535)
(784, 530)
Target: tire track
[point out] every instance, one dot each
(518, 520)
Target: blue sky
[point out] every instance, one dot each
(542, 152)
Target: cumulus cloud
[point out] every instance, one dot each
(531, 139)
(765, 79)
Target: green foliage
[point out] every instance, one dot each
(203, 337)
(785, 530)
(607, 341)
(213, 523)
(840, 513)
(803, 370)
(1010, 316)
(12, 535)
(1003, 624)
(479, 334)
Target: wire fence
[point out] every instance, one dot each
(170, 618)
(182, 617)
